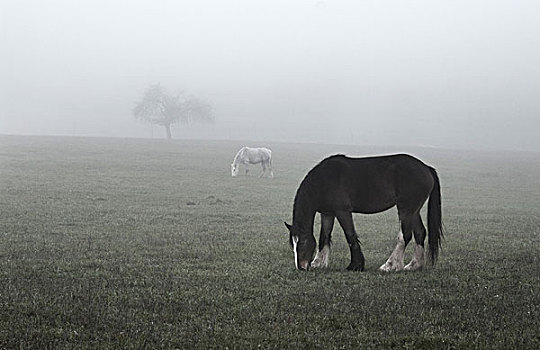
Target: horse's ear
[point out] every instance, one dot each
(289, 227)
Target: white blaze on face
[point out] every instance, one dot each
(295, 250)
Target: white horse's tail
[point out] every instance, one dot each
(269, 157)
(271, 168)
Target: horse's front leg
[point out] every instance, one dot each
(357, 257)
(321, 259)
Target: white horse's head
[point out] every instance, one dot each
(234, 169)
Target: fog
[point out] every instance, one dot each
(452, 74)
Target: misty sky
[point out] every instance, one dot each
(455, 74)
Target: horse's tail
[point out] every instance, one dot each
(434, 218)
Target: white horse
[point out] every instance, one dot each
(248, 155)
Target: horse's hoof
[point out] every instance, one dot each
(355, 267)
(386, 267)
(412, 267)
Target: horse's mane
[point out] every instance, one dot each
(238, 154)
(309, 189)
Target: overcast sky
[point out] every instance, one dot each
(454, 74)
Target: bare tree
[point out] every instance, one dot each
(159, 107)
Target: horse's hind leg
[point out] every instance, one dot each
(395, 261)
(270, 168)
(263, 169)
(321, 259)
(418, 262)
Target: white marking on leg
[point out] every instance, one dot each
(321, 259)
(395, 261)
(295, 244)
(417, 262)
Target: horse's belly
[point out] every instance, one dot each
(372, 199)
(371, 209)
(363, 207)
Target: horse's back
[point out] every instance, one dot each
(365, 168)
(254, 155)
(264, 153)
(370, 184)
(397, 171)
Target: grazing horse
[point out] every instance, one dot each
(339, 186)
(248, 155)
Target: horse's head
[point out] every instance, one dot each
(303, 247)
(234, 169)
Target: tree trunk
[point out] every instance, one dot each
(168, 130)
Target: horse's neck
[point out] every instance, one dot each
(236, 159)
(303, 213)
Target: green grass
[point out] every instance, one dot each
(112, 243)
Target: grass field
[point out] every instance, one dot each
(113, 243)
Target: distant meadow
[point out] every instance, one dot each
(132, 243)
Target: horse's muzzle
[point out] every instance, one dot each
(304, 265)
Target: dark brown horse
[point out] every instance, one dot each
(339, 186)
